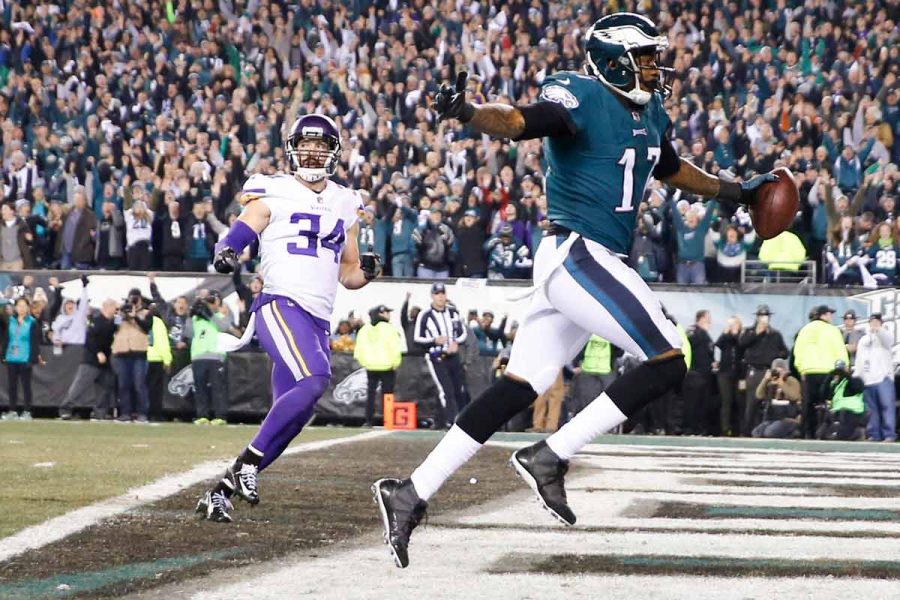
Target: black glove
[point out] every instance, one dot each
(743, 193)
(84, 280)
(225, 261)
(751, 186)
(370, 263)
(450, 103)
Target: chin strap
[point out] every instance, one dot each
(310, 177)
(642, 97)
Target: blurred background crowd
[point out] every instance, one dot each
(128, 127)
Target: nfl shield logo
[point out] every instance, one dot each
(635, 116)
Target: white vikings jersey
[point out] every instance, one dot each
(301, 247)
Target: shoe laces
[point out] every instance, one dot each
(248, 474)
(220, 502)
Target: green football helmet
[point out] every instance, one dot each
(611, 48)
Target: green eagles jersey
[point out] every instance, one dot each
(596, 179)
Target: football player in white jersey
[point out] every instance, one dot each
(307, 230)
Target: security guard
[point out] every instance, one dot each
(818, 347)
(378, 352)
(159, 362)
(593, 373)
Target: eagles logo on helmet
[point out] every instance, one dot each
(613, 46)
(312, 162)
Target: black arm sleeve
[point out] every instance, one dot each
(669, 163)
(546, 119)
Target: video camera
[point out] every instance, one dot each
(205, 306)
(133, 303)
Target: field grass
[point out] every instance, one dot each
(51, 467)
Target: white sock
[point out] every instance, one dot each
(254, 450)
(452, 452)
(598, 417)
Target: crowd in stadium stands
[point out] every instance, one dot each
(745, 381)
(128, 128)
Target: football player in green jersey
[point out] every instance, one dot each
(605, 133)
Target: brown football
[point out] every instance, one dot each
(777, 203)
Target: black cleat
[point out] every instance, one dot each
(243, 478)
(401, 510)
(545, 472)
(215, 506)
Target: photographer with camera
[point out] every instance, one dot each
(208, 317)
(759, 345)
(129, 356)
(844, 392)
(782, 395)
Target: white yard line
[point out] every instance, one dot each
(455, 560)
(57, 528)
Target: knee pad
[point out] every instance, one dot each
(650, 380)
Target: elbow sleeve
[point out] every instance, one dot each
(546, 119)
(669, 163)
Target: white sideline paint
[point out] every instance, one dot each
(57, 528)
(469, 555)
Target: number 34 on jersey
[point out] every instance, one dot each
(300, 249)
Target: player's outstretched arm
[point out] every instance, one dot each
(241, 234)
(498, 120)
(541, 119)
(356, 271)
(501, 120)
(697, 181)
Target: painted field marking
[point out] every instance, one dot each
(57, 528)
(473, 540)
(69, 584)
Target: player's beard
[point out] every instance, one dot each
(650, 84)
(315, 159)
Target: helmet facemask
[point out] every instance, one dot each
(661, 83)
(631, 87)
(313, 162)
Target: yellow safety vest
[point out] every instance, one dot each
(786, 247)
(597, 357)
(159, 350)
(819, 345)
(378, 347)
(685, 346)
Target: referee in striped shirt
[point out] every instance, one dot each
(440, 330)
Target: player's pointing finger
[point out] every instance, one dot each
(461, 78)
